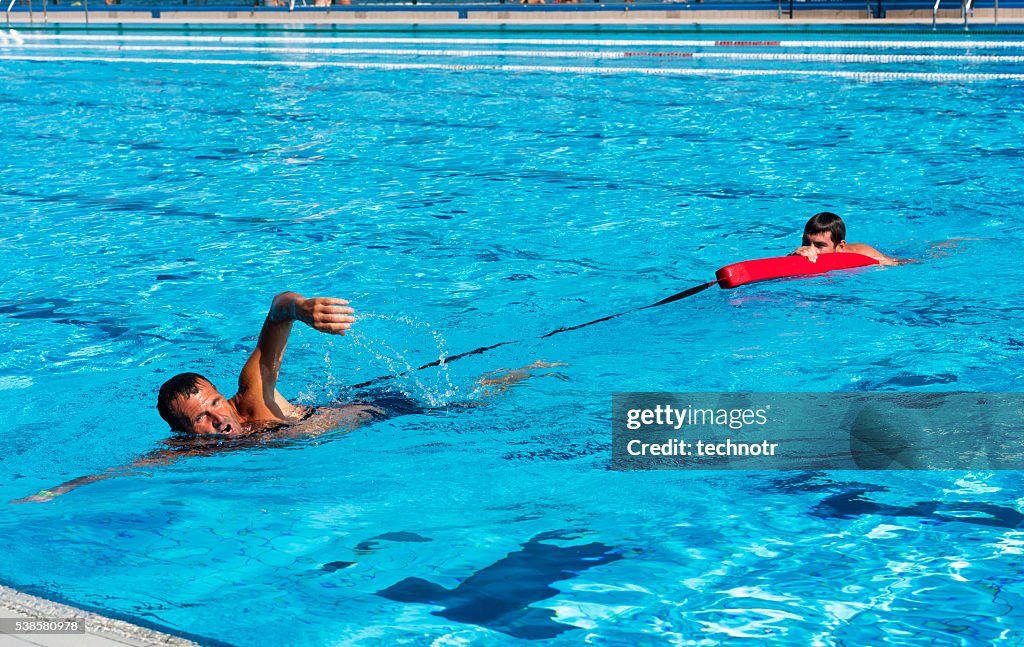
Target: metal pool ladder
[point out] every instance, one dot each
(32, 16)
(966, 9)
(31, 13)
(11, 6)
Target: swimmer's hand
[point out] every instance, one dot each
(809, 251)
(328, 315)
(331, 316)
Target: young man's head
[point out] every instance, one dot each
(826, 232)
(190, 403)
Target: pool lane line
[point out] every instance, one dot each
(465, 53)
(829, 44)
(477, 351)
(557, 69)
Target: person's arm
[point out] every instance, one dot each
(160, 457)
(43, 496)
(177, 448)
(810, 251)
(257, 396)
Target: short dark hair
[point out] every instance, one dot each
(183, 385)
(822, 222)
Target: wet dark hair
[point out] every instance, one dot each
(183, 385)
(822, 222)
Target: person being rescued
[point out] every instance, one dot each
(825, 233)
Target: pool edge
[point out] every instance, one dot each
(101, 630)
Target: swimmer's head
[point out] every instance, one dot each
(825, 231)
(190, 403)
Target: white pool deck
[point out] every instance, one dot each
(99, 630)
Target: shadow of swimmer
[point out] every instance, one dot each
(853, 503)
(854, 499)
(498, 596)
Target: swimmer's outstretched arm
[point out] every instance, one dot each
(178, 447)
(257, 397)
(161, 457)
(45, 495)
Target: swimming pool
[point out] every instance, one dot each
(155, 200)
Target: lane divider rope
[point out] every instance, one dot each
(567, 69)
(831, 44)
(736, 56)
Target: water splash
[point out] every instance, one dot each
(331, 382)
(436, 390)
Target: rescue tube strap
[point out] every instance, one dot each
(730, 276)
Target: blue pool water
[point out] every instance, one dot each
(154, 201)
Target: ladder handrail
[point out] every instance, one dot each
(935, 13)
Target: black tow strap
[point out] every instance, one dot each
(448, 360)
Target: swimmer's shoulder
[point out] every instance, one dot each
(868, 250)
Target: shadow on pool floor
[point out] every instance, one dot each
(851, 500)
(498, 596)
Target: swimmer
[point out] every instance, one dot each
(206, 423)
(825, 233)
(191, 404)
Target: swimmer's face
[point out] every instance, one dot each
(823, 242)
(207, 412)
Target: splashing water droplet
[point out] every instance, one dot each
(437, 391)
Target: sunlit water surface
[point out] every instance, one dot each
(150, 211)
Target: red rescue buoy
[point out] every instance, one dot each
(764, 269)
